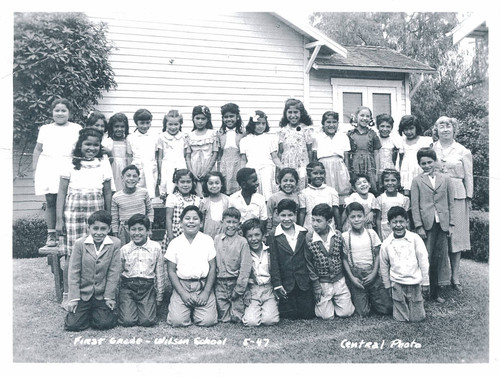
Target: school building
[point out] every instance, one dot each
(256, 60)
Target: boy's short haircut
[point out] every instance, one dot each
(101, 215)
(243, 174)
(426, 152)
(142, 114)
(192, 208)
(139, 218)
(354, 206)
(252, 224)
(395, 212)
(286, 204)
(379, 119)
(231, 212)
(323, 210)
(355, 178)
(131, 167)
(286, 171)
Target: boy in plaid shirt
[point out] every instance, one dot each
(143, 276)
(324, 263)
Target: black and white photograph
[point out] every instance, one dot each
(202, 186)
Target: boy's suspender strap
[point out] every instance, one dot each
(349, 246)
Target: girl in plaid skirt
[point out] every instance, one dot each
(85, 187)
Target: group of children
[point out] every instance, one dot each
(253, 221)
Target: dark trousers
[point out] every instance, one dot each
(92, 313)
(374, 296)
(439, 264)
(298, 305)
(137, 300)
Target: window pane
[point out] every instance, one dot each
(351, 101)
(381, 104)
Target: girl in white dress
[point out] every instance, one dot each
(259, 150)
(53, 150)
(412, 142)
(171, 146)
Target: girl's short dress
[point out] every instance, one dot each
(294, 141)
(120, 149)
(368, 205)
(212, 214)
(330, 152)
(230, 159)
(384, 203)
(389, 144)
(363, 147)
(84, 197)
(258, 150)
(172, 147)
(409, 166)
(144, 148)
(58, 143)
(201, 148)
(178, 203)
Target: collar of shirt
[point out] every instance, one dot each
(323, 185)
(264, 248)
(224, 236)
(169, 136)
(391, 237)
(239, 195)
(90, 241)
(316, 237)
(133, 246)
(279, 230)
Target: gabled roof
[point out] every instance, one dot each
(474, 26)
(358, 58)
(372, 58)
(311, 32)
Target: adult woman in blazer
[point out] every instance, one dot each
(456, 161)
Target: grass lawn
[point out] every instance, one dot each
(454, 332)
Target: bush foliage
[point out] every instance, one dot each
(479, 237)
(57, 55)
(28, 235)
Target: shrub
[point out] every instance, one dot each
(28, 235)
(480, 237)
(57, 55)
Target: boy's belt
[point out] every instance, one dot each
(199, 279)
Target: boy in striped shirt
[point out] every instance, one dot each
(127, 202)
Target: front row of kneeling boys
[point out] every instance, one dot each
(242, 279)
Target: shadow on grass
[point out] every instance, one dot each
(454, 332)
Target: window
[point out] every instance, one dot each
(381, 96)
(381, 103)
(350, 102)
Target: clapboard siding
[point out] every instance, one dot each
(252, 59)
(320, 96)
(25, 203)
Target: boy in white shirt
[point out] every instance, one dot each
(404, 267)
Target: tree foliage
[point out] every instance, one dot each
(456, 90)
(57, 55)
